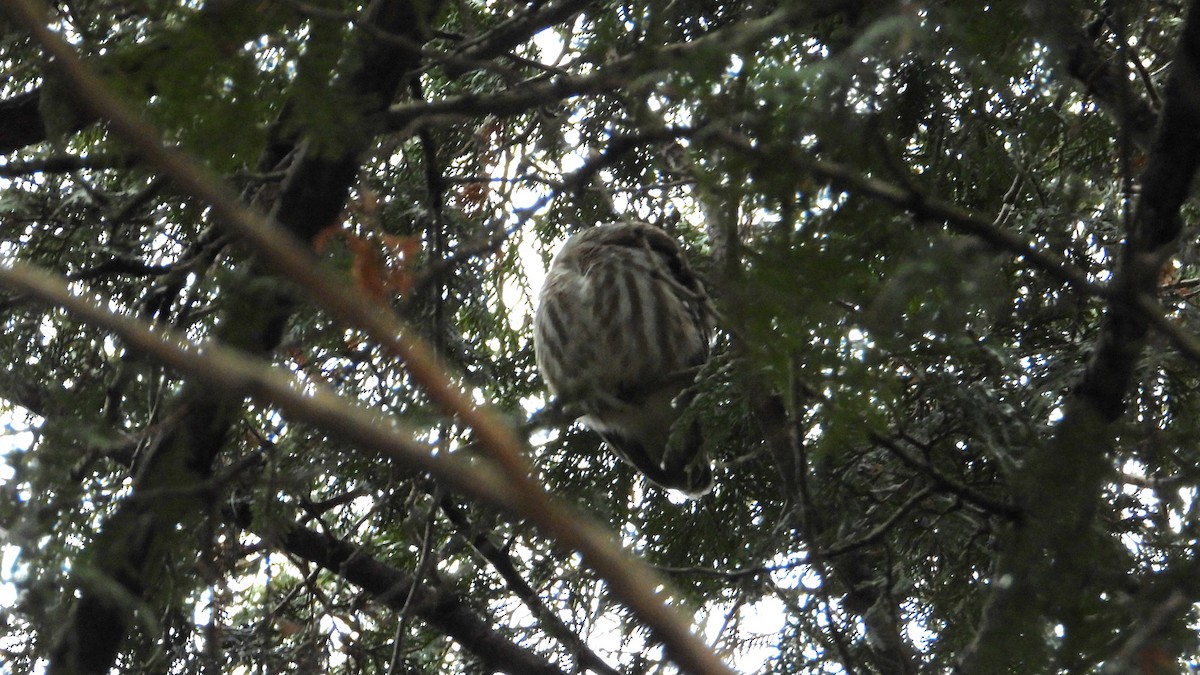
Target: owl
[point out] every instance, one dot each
(621, 329)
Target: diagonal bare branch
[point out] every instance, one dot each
(240, 375)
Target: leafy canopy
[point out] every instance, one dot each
(915, 220)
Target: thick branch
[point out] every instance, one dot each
(21, 122)
(1104, 80)
(439, 608)
(1165, 183)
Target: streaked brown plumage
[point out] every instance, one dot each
(621, 327)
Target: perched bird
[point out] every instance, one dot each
(622, 326)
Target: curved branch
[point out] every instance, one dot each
(511, 33)
(1101, 78)
(617, 74)
(238, 375)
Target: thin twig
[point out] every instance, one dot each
(63, 164)
(425, 564)
(946, 483)
(499, 559)
(920, 205)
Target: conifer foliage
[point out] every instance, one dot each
(269, 268)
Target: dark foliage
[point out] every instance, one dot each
(950, 401)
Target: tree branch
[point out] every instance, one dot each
(616, 74)
(439, 608)
(134, 539)
(946, 483)
(60, 163)
(21, 121)
(238, 375)
(923, 207)
(631, 581)
(1047, 558)
(509, 34)
(1104, 80)
(504, 566)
